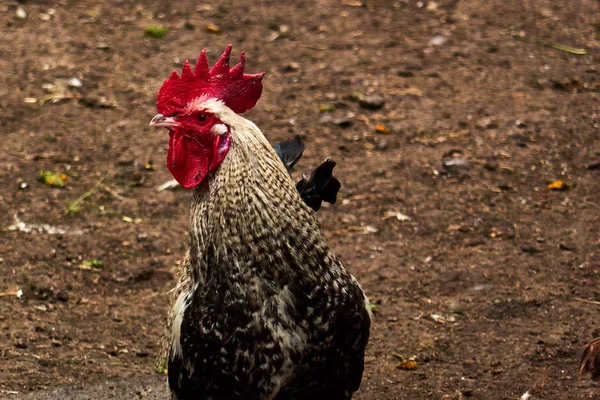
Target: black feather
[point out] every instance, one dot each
(321, 186)
(290, 151)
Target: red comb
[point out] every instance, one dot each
(237, 90)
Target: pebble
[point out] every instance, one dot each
(382, 145)
(344, 122)
(74, 82)
(487, 123)
(371, 102)
(62, 295)
(437, 40)
(405, 74)
(326, 119)
(291, 67)
(531, 249)
(456, 163)
(21, 13)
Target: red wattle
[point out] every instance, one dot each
(187, 160)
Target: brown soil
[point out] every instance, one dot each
(483, 283)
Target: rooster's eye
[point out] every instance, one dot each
(203, 119)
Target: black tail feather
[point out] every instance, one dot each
(290, 151)
(321, 186)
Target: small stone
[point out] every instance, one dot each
(531, 249)
(62, 295)
(382, 145)
(432, 6)
(23, 185)
(456, 163)
(125, 160)
(411, 91)
(520, 124)
(405, 74)
(566, 247)
(291, 67)
(344, 122)
(56, 343)
(487, 123)
(474, 242)
(371, 102)
(74, 82)
(325, 119)
(370, 229)
(21, 13)
(437, 40)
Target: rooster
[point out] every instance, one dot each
(322, 186)
(264, 308)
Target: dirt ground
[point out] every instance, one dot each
(481, 273)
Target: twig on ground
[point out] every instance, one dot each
(113, 193)
(73, 206)
(567, 49)
(597, 303)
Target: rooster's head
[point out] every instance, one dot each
(188, 107)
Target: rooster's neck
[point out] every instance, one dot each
(250, 207)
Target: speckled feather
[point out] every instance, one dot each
(321, 186)
(265, 311)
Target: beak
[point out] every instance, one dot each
(160, 121)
